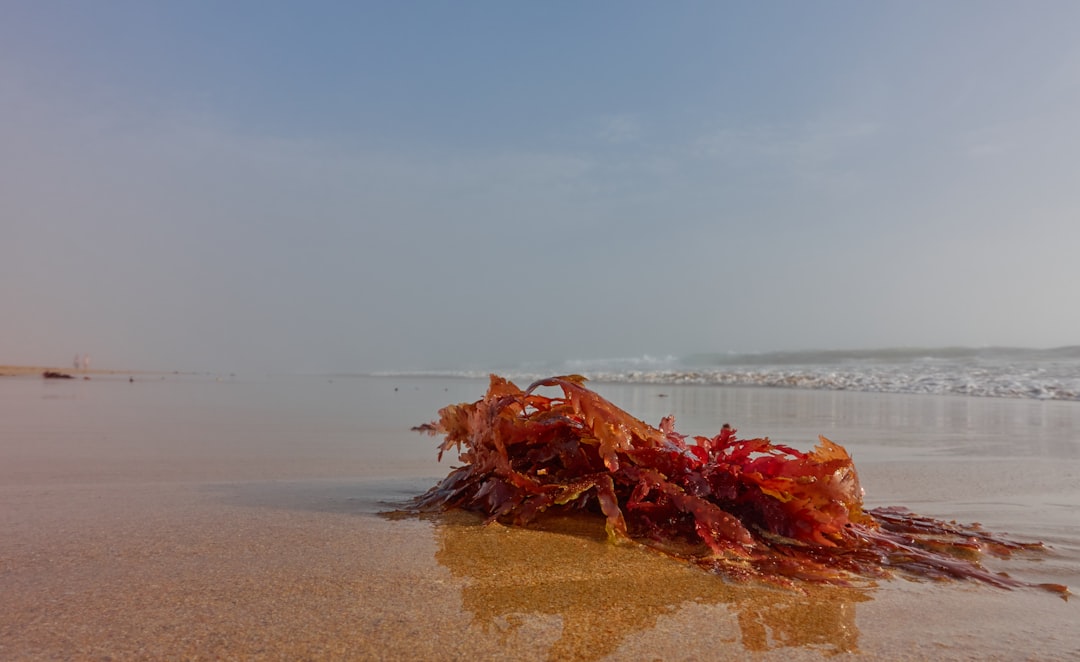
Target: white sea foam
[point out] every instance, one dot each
(990, 372)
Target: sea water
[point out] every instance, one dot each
(1041, 374)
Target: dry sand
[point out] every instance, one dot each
(193, 519)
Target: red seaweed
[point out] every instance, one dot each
(743, 508)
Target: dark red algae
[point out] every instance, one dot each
(742, 508)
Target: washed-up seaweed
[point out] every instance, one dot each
(743, 508)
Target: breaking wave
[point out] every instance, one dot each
(1044, 374)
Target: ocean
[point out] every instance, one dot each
(1000, 372)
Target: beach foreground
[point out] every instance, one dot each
(248, 519)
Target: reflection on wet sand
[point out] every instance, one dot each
(588, 595)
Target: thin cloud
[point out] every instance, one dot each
(778, 143)
(620, 129)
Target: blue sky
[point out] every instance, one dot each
(251, 186)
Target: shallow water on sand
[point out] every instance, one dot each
(193, 516)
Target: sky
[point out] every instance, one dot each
(263, 186)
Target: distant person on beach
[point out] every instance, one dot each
(77, 362)
(86, 362)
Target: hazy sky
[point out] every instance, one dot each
(253, 186)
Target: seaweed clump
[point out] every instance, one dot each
(743, 508)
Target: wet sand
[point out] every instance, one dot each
(197, 518)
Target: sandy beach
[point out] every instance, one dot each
(187, 517)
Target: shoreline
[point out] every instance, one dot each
(243, 520)
(38, 370)
(21, 370)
